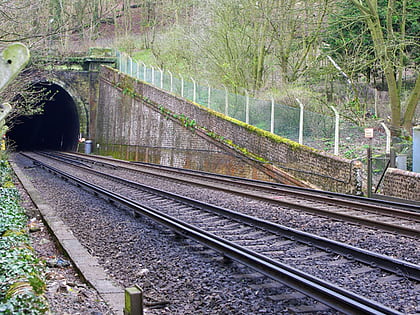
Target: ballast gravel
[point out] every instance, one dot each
(182, 278)
(178, 276)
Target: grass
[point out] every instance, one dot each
(146, 56)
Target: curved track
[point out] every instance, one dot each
(269, 248)
(403, 219)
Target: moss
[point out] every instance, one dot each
(101, 52)
(128, 89)
(260, 132)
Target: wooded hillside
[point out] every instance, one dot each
(329, 52)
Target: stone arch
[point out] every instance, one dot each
(58, 128)
(81, 107)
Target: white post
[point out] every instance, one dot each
(172, 82)
(131, 65)
(123, 63)
(272, 116)
(194, 90)
(144, 71)
(182, 85)
(416, 149)
(300, 121)
(337, 130)
(226, 101)
(161, 78)
(153, 75)
(247, 107)
(388, 139)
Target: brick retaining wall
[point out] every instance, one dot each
(401, 184)
(322, 170)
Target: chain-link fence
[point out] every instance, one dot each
(316, 130)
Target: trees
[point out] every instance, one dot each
(23, 20)
(238, 42)
(390, 44)
(247, 39)
(296, 30)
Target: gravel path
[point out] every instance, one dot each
(67, 292)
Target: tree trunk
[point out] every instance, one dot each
(411, 105)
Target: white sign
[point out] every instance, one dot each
(369, 133)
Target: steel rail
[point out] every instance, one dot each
(325, 292)
(408, 206)
(325, 197)
(396, 266)
(404, 204)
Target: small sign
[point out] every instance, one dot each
(369, 133)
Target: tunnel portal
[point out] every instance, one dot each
(57, 128)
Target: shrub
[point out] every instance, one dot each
(21, 273)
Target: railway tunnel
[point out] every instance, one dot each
(56, 128)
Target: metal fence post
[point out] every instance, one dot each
(126, 63)
(300, 121)
(131, 65)
(153, 75)
(144, 71)
(136, 73)
(122, 62)
(194, 90)
(388, 139)
(337, 130)
(416, 149)
(247, 107)
(161, 78)
(171, 81)
(369, 179)
(182, 85)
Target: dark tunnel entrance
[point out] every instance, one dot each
(57, 128)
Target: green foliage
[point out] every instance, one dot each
(21, 282)
(186, 121)
(350, 154)
(146, 56)
(5, 175)
(348, 36)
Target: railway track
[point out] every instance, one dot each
(402, 219)
(282, 253)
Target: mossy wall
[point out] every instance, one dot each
(133, 128)
(132, 112)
